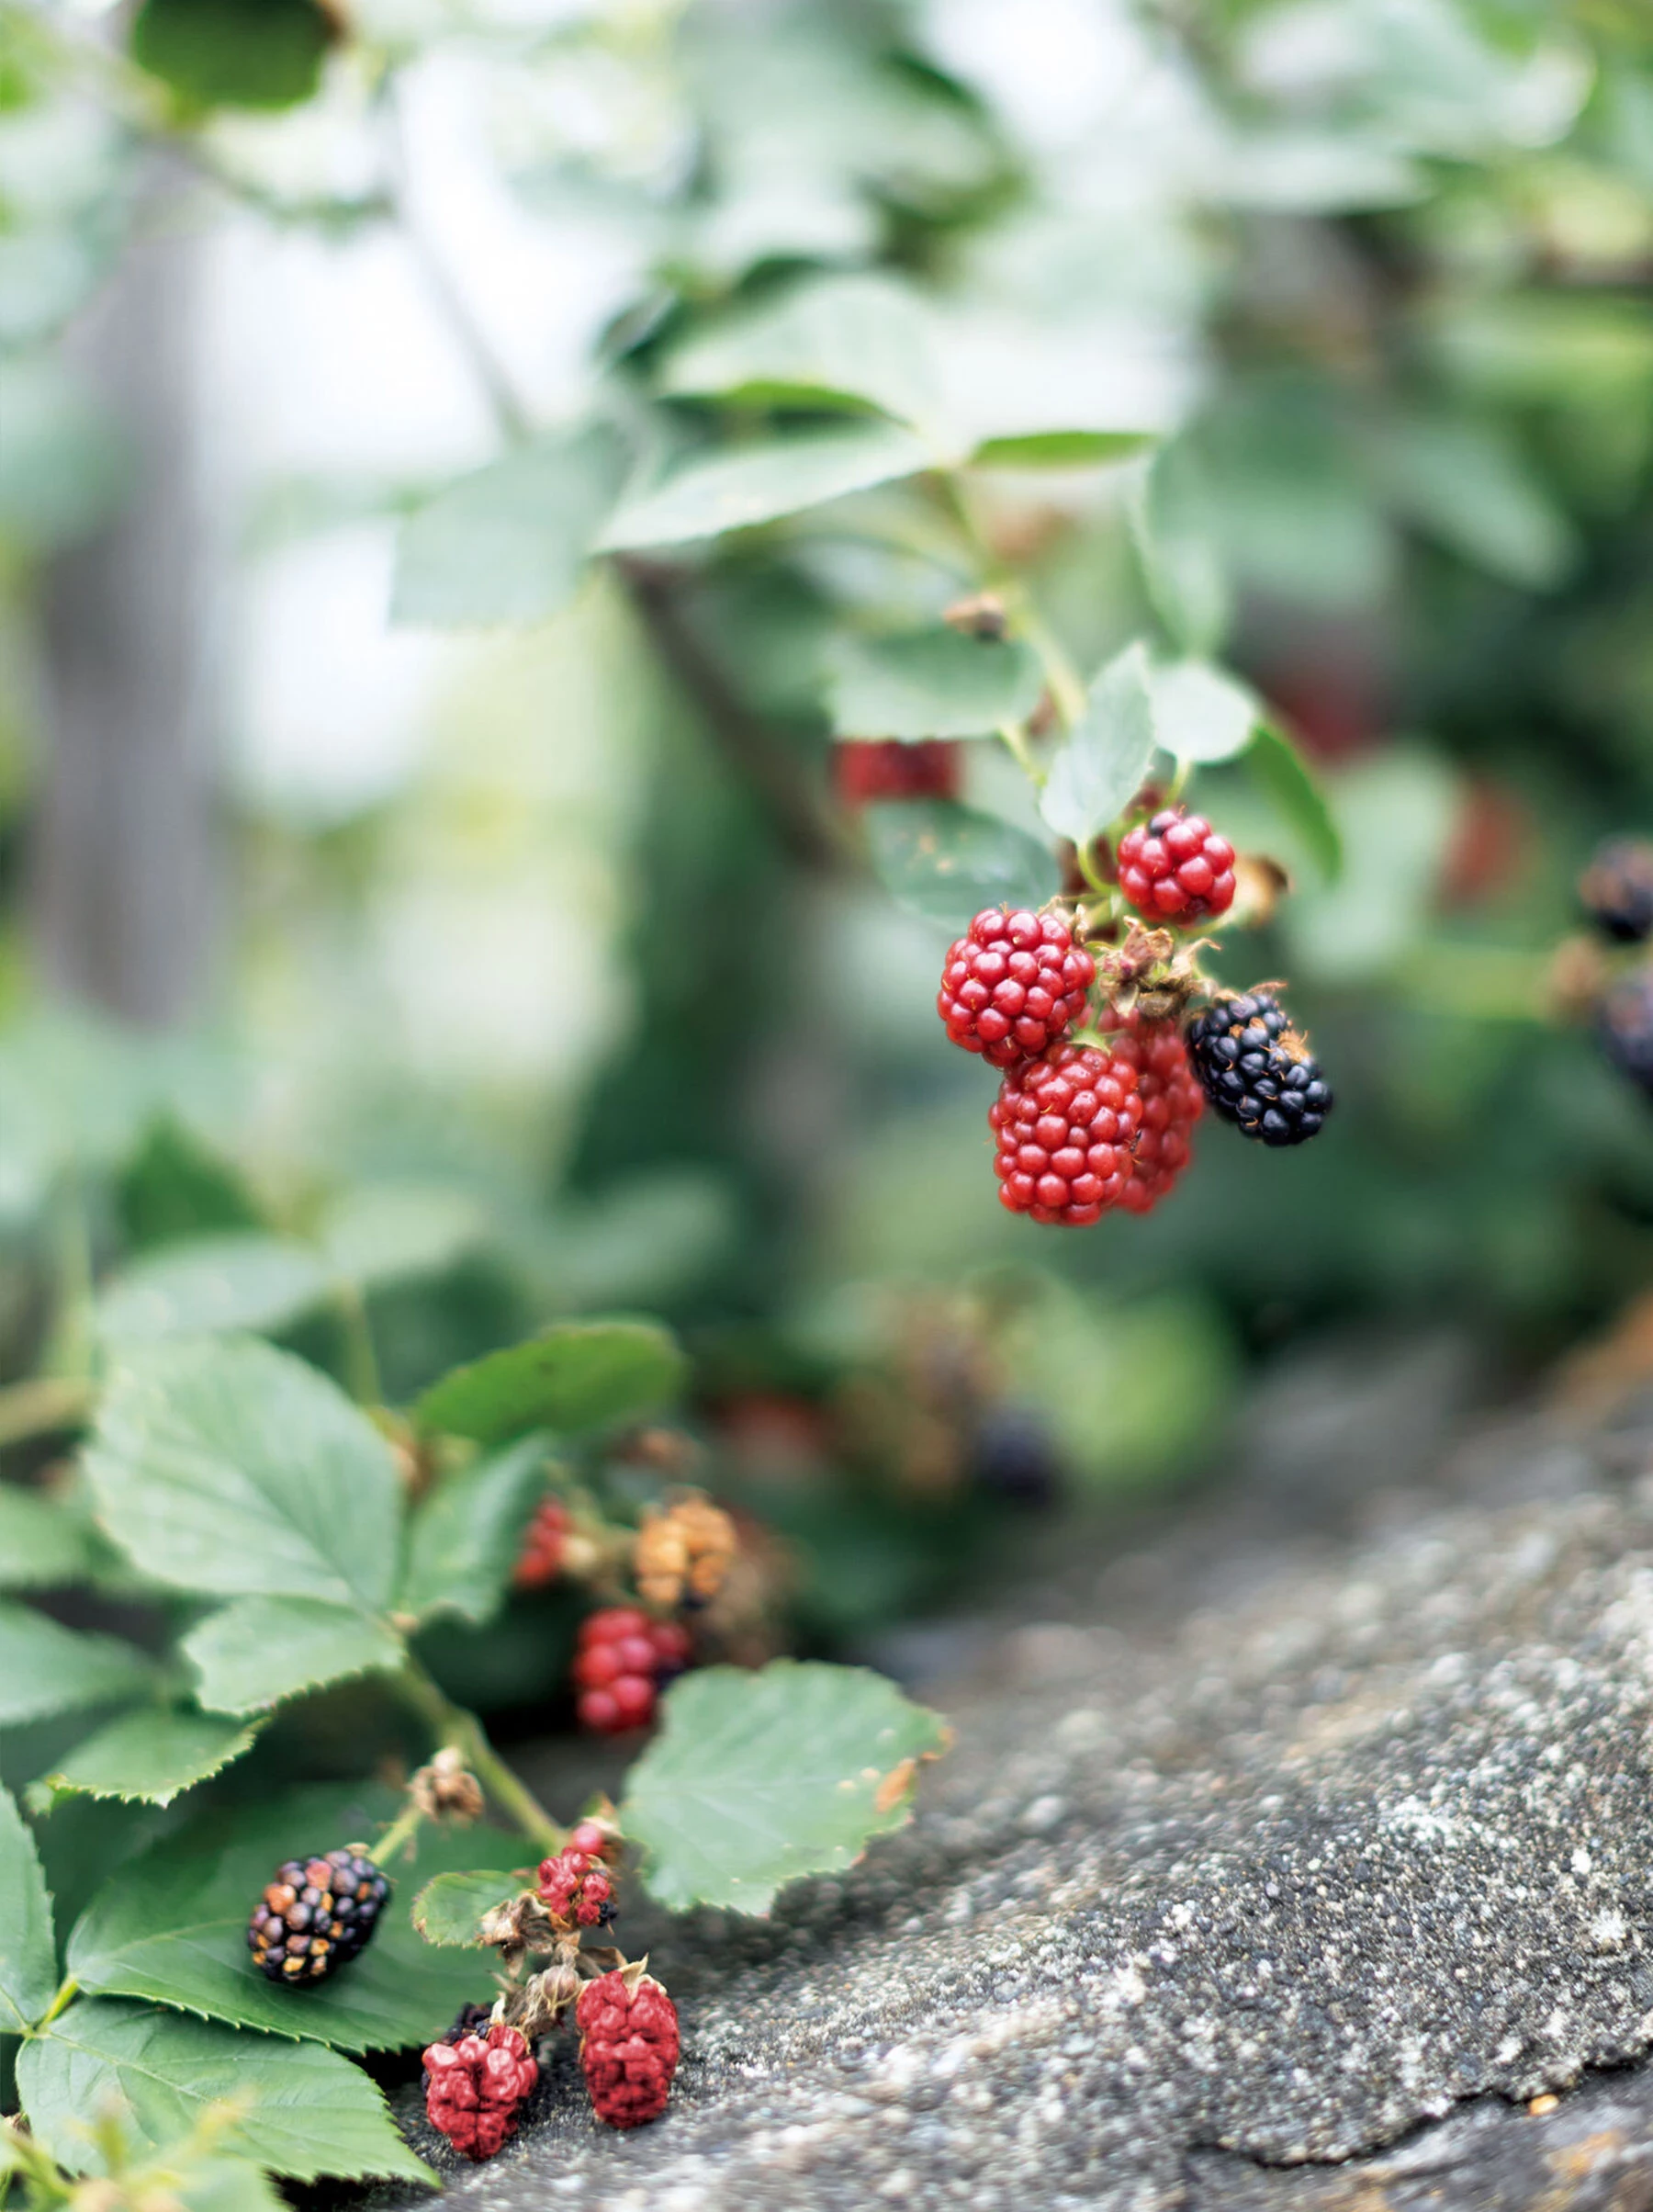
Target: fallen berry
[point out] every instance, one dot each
(1176, 868)
(1065, 1124)
(1257, 1071)
(475, 2088)
(1616, 889)
(621, 1660)
(1626, 1027)
(315, 1915)
(1171, 1103)
(628, 2046)
(885, 768)
(1013, 984)
(541, 1558)
(575, 1889)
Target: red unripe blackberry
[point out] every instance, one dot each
(576, 1890)
(622, 1659)
(475, 2088)
(1171, 1103)
(1176, 868)
(1616, 889)
(541, 1558)
(315, 1915)
(886, 769)
(1066, 1124)
(1012, 985)
(628, 2046)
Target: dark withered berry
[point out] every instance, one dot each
(1257, 1071)
(1616, 889)
(315, 1915)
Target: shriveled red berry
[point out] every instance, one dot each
(596, 1838)
(1172, 1102)
(628, 2046)
(475, 2088)
(576, 1890)
(541, 1558)
(1176, 868)
(886, 769)
(1066, 1123)
(622, 1660)
(1013, 984)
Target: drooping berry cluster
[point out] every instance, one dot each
(1171, 1103)
(1257, 1071)
(1065, 1125)
(623, 1660)
(1013, 984)
(545, 1547)
(315, 1915)
(1176, 868)
(628, 2046)
(476, 2087)
(575, 1889)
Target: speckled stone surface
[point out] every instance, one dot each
(1275, 1868)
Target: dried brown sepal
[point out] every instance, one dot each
(979, 614)
(599, 1958)
(539, 2004)
(521, 1925)
(445, 1789)
(1260, 884)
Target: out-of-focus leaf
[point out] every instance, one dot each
(384, 1233)
(1060, 448)
(42, 1543)
(932, 684)
(448, 1911)
(1279, 770)
(758, 483)
(578, 1374)
(860, 342)
(152, 1756)
(1108, 751)
(1201, 713)
(46, 1668)
(1395, 814)
(1171, 524)
(251, 1654)
(508, 543)
(233, 53)
(947, 862)
(27, 1953)
(468, 1532)
(239, 1280)
(1466, 484)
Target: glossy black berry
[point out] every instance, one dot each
(1616, 889)
(1257, 1071)
(1626, 1027)
(315, 1915)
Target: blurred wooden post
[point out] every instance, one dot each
(123, 891)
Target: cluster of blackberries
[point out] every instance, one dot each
(1617, 893)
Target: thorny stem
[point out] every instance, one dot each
(450, 1723)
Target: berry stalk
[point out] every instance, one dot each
(451, 1725)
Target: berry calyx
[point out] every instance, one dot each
(475, 2088)
(1013, 984)
(621, 1661)
(1625, 1028)
(1171, 1103)
(544, 1546)
(885, 768)
(315, 1915)
(1616, 889)
(628, 2046)
(576, 1890)
(1257, 1071)
(1066, 1123)
(1176, 868)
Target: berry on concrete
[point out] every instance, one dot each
(577, 1889)
(1176, 868)
(475, 2088)
(628, 2046)
(1616, 889)
(1171, 1103)
(1626, 1025)
(1012, 985)
(1065, 1125)
(1257, 1071)
(620, 1663)
(315, 1915)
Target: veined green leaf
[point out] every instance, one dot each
(759, 483)
(860, 342)
(46, 1668)
(43, 1545)
(947, 862)
(468, 1532)
(1108, 753)
(237, 1280)
(27, 1953)
(251, 1654)
(578, 1374)
(152, 1755)
(1278, 768)
(449, 1910)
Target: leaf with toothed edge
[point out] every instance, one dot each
(152, 1756)
(256, 1651)
(46, 1668)
(27, 1953)
(449, 1910)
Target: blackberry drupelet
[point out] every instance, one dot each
(1626, 1027)
(1616, 889)
(1257, 1071)
(315, 1915)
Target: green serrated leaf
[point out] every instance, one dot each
(27, 1952)
(759, 483)
(1060, 448)
(449, 1910)
(1284, 778)
(509, 543)
(757, 1778)
(171, 1925)
(1177, 552)
(229, 2184)
(947, 862)
(1108, 753)
(257, 1650)
(232, 1281)
(859, 343)
(42, 1544)
(579, 1374)
(151, 1756)
(1200, 715)
(46, 1668)
(933, 684)
(229, 1466)
(468, 1532)
(385, 1233)
(313, 2112)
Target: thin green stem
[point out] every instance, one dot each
(70, 1356)
(402, 1830)
(361, 1359)
(450, 1723)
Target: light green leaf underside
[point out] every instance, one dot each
(1200, 715)
(212, 1283)
(759, 483)
(151, 1756)
(1279, 771)
(46, 1668)
(469, 1531)
(27, 1953)
(1108, 752)
(758, 1778)
(257, 1650)
(314, 2113)
(947, 862)
(42, 1545)
(386, 1233)
(577, 1375)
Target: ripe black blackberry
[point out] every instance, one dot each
(315, 1915)
(1616, 889)
(1257, 1071)
(1626, 1027)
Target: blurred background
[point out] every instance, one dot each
(502, 935)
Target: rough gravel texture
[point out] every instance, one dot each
(1275, 1868)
